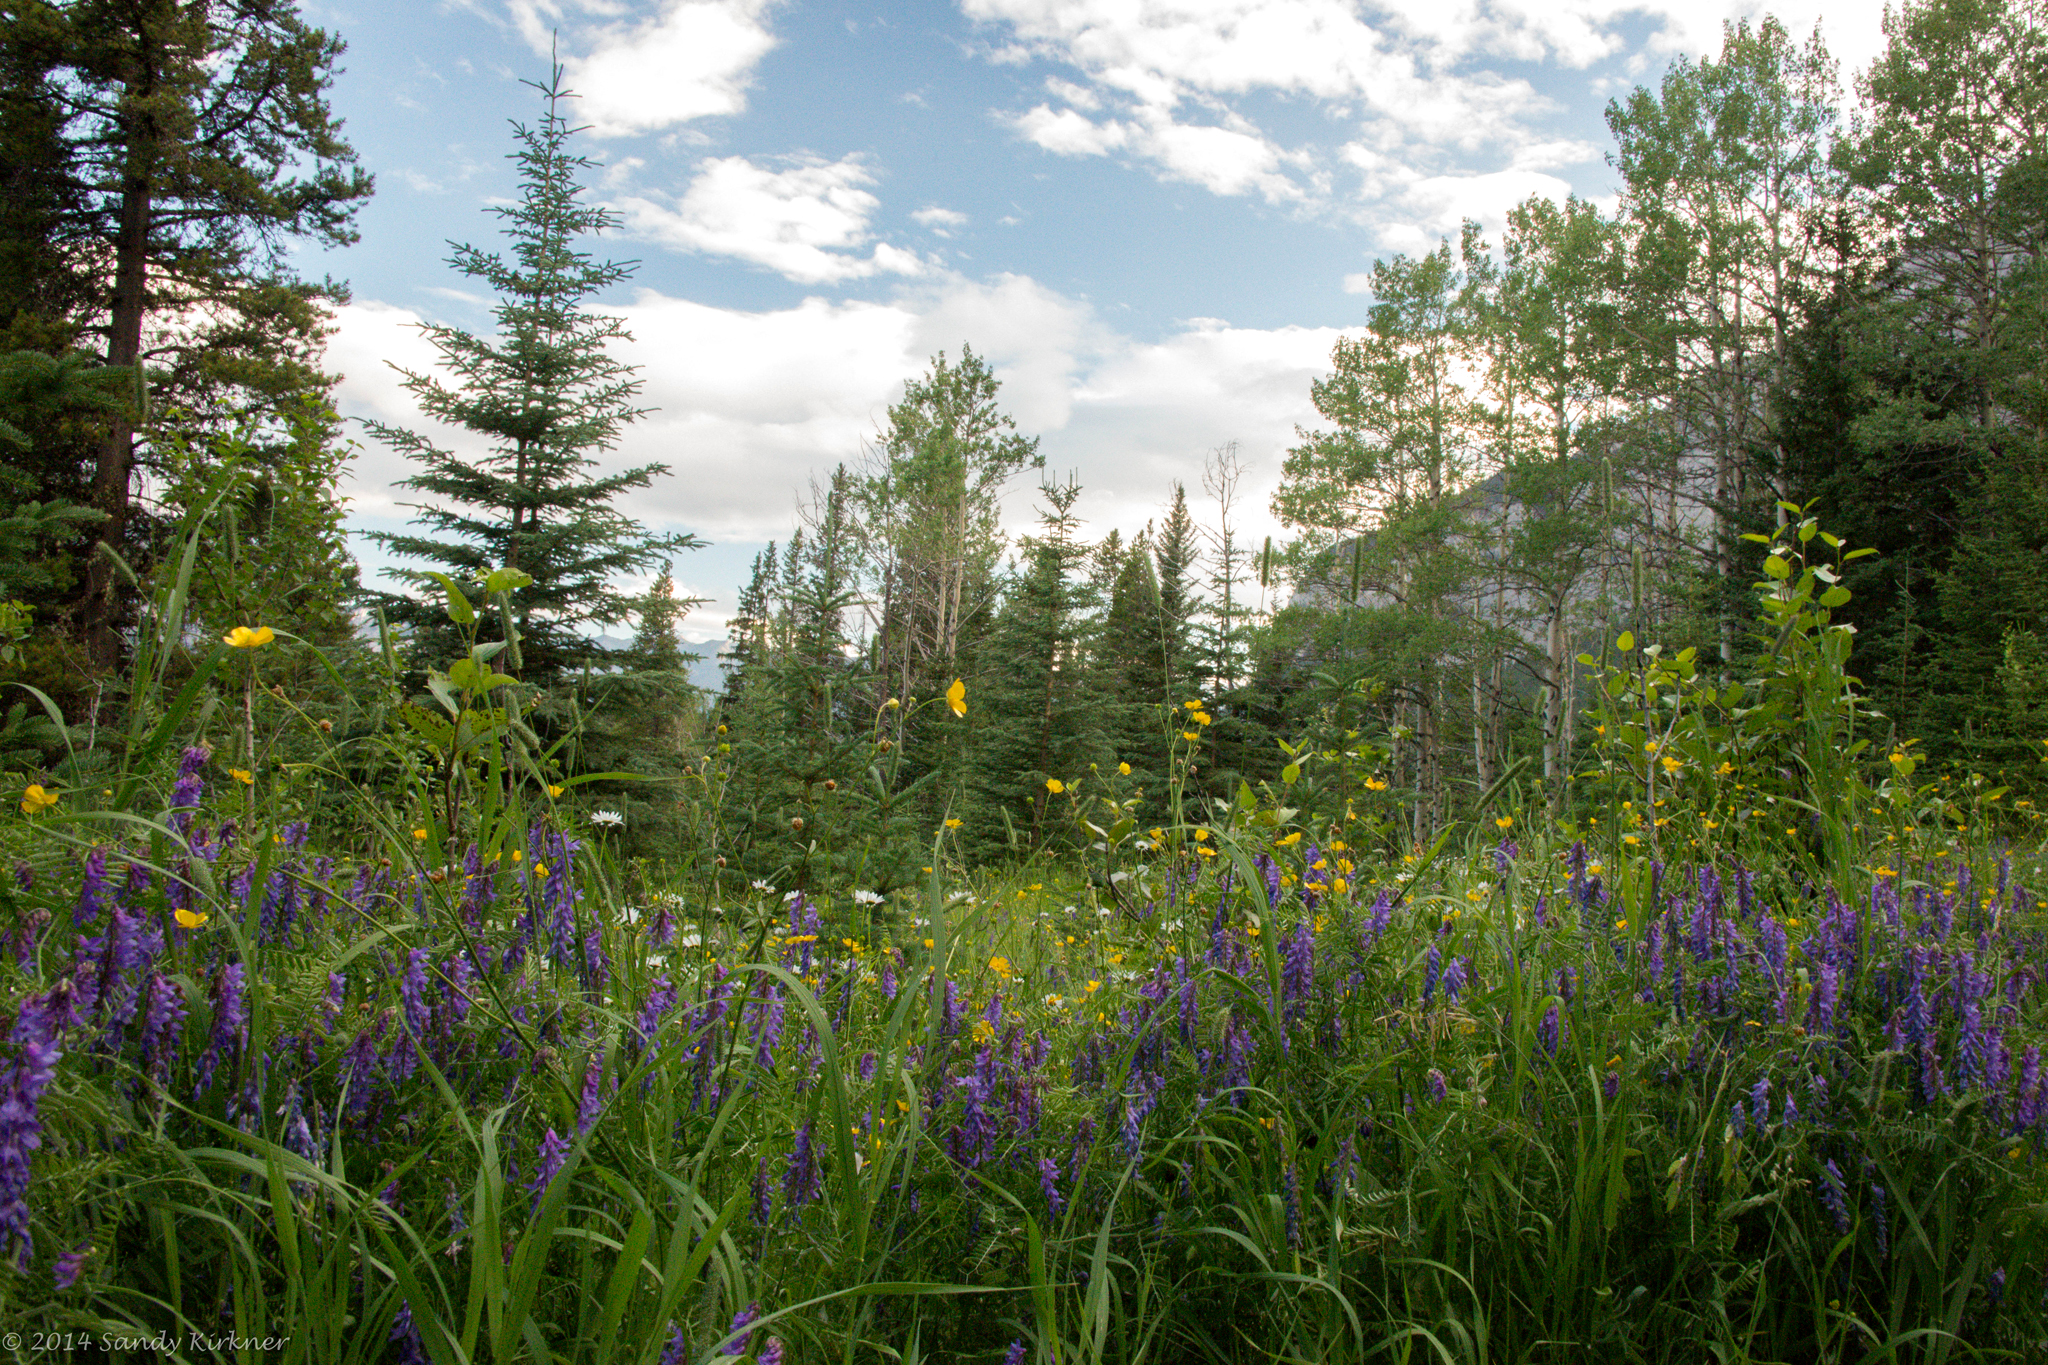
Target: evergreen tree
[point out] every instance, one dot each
(1041, 717)
(549, 395)
(165, 153)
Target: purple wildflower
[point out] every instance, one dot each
(554, 1152)
(69, 1265)
(163, 1026)
(741, 1319)
(1432, 971)
(1290, 1199)
(1377, 919)
(1833, 1196)
(1015, 1355)
(801, 1181)
(1049, 1185)
(1297, 969)
(591, 1103)
(764, 1194)
(1551, 1031)
(230, 1022)
(21, 1127)
(1439, 1088)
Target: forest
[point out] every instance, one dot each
(1579, 890)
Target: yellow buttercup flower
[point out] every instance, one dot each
(1124, 768)
(1000, 965)
(554, 789)
(243, 776)
(34, 799)
(1054, 785)
(243, 637)
(952, 824)
(190, 920)
(1287, 839)
(956, 697)
(1671, 765)
(1504, 822)
(419, 834)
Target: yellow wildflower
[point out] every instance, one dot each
(1504, 822)
(1287, 839)
(1124, 768)
(1054, 785)
(190, 919)
(242, 637)
(243, 776)
(952, 824)
(956, 697)
(999, 965)
(34, 798)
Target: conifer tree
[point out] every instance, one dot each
(548, 395)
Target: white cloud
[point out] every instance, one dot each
(751, 406)
(641, 69)
(1424, 82)
(932, 216)
(805, 221)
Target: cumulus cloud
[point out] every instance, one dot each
(1424, 83)
(642, 68)
(751, 406)
(806, 220)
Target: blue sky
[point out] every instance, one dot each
(1153, 216)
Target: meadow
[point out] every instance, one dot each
(1727, 1070)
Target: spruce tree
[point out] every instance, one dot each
(549, 395)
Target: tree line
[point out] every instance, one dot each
(1536, 443)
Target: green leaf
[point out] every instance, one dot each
(1626, 641)
(507, 580)
(1834, 597)
(1776, 567)
(1291, 774)
(459, 610)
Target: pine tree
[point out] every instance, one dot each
(159, 155)
(549, 395)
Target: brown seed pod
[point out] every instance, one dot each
(796, 822)
(326, 727)
(831, 784)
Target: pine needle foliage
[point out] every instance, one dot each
(548, 394)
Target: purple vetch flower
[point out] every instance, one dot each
(1049, 1185)
(768, 1014)
(888, 981)
(1738, 1118)
(69, 1265)
(1297, 969)
(1454, 979)
(411, 1350)
(1504, 855)
(1791, 1115)
(949, 1011)
(1994, 1287)
(359, 1066)
(1551, 1031)
(92, 888)
(591, 1104)
(2028, 1097)
(866, 1066)
(1015, 1355)
(332, 1001)
(1833, 1196)
(412, 994)
(661, 998)
(163, 1026)
(1439, 1088)
(801, 1181)
(1760, 1103)
(1432, 971)
(597, 964)
(1820, 1011)
(230, 1024)
(280, 909)
(677, 1352)
(1378, 917)
(554, 1152)
(22, 1082)
(1610, 1086)
(1877, 1219)
(764, 1194)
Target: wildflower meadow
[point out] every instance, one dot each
(352, 1058)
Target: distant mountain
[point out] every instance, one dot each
(703, 656)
